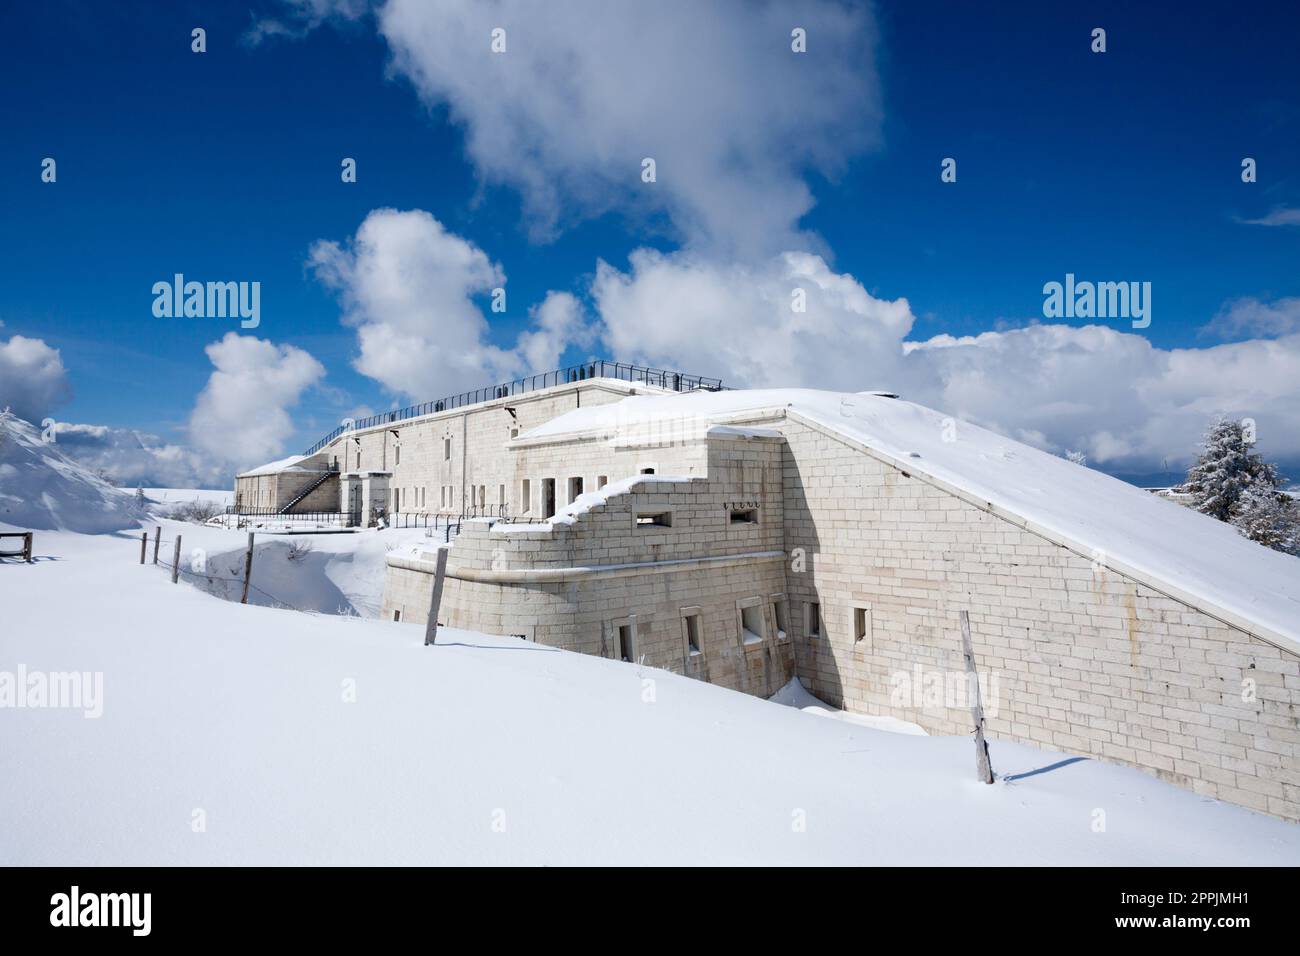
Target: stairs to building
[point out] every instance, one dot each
(302, 495)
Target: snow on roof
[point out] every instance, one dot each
(588, 500)
(1170, 547)
(274, 467)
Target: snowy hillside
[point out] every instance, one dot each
(41, 488)
(243, 734)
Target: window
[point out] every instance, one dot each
(525, 496)
(813, 619)
(548, 497)
(647, 471)
(602, 481)
(514, 433)
(744, 516)
(779, 618)
(397, 454)
(501, 495)
(397, 615)
(659, 519)
(442, 496)
(575, 489)
(482, 496)
(862, 626)
(446, 449)
(751, 621)
(691, 631)
(625, 650)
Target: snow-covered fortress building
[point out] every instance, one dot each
(746, 536)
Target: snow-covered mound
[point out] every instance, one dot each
(311, 739)
(43, 489)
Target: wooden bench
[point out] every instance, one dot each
(25, 552)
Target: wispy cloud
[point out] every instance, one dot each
(1249, 316)
(1281, 216)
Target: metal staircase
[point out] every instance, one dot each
(308, 490)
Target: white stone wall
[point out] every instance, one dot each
(573, 586)
(1086, 660)
(426, 479)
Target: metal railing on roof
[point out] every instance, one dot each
(600, 368)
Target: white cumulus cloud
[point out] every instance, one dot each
(33, 380)
(130, 458)
(1113, 394)
(587, 89)
(242, 416)
(409, 287)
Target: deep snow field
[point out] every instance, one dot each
(238, 734)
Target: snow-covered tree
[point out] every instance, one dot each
(1270, 517)
(1226, 468)
(1077, 457)
(1231, 482)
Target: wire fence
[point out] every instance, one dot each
(178, 569)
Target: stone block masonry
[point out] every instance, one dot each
(1087, 660)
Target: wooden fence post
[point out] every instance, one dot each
(435, 601)
(157, 539)
(27, 547)
(144, 543)
(176, 561)
(248, 568)
(982, 764)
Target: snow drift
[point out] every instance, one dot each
(43, 489)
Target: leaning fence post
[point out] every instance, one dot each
(27, 547)
(435, 600)
(982, 764)
(176, 561)
(144, 543)
(157, 539)
(248, 568)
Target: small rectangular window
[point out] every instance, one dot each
(660, 519)
(625, 650)
(397, 615)
(751, 624)
(602, 481)
(814, 619)
(525, 496)
(744, 516)
(397, 454)
(575, 488)
(691, 623)
(446, 449)
(647, 471)
(861, 625)
(778, 617)
(501, 495)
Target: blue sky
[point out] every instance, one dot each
(225, 166)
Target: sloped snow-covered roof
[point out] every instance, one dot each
(274, 467)
(1172, 548)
